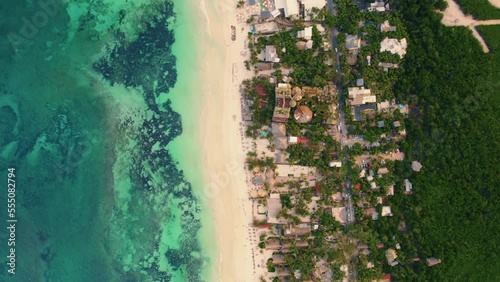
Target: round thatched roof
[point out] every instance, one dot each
(303, 114)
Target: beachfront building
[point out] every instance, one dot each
(289, 8)
(264, 66)
(279, 134)
(283, 97)
(298, 244)
(278, 129)
(273, 244)
(273, 208)
(266, 28)
(278, 259)
(295, 171)
(270, 54)
(394, 46)
(280, 143)
(299, 230)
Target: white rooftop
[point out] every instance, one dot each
(306, 33)
(290, 7)
(335, 164)
(294, 170)
(355, 91)
(394, 46)
(309, 4)
(386, 211)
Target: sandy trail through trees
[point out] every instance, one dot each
(453, 16)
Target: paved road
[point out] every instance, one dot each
(333, 34)
(342, 128)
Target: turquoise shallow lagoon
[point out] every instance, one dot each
(87, 121)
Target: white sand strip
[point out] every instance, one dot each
(223, 156)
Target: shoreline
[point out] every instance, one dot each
(214, 163)
(186, 100)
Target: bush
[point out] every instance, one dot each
(270, 266)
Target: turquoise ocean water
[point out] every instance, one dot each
(86, 121)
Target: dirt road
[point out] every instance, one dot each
(453, 16)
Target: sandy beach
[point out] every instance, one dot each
(225, 184)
